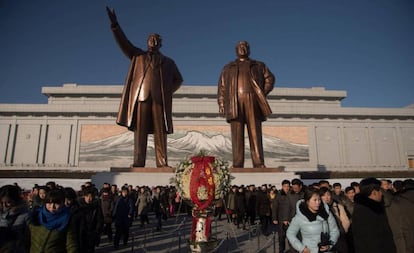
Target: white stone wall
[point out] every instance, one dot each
(49, 135)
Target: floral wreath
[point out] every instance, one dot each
(202, 179)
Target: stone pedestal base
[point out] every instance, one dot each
(143, 169)
(162, 176)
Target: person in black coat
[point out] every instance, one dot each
(107, 204)
(281, 214)
(123, 214)
(263, 209)
(370, 227)
(401, 218)
(241, 207)
(91, 221)
(158, 206)
(251, 196)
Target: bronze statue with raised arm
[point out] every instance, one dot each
(242, 90)
(146, 102)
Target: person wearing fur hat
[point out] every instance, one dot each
(315, 223)
(370, 227)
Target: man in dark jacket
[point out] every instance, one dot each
(370, 228)
(91, 221)
(241, 207)
(123, 214)
(281, 215)
(294, 196)
(401, 218)
(296, 193)
(158, 203)
(251, 196)
(107, 204)
(263, 209)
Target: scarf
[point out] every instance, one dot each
(310, 215)
(58, 220)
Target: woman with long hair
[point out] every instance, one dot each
(341, 217)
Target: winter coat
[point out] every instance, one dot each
(282, 212)
(349, 207)
(91, 224)
(107, 204)
(273, 205)
(310, 227)
(293, 198)
(164, 200)
(52, 241)
(401, 220)
(240, 203)
(14, 227)
(263, 204)
(171, 196)
(123, 212)
(370, 228)
(231, 201)
(143, 203)
(251, 197)
(157, 203)
(339, 198)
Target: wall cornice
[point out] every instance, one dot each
(103, 101)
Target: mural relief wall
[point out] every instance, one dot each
(111, 145)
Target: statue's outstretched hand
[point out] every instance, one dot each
(111, 15)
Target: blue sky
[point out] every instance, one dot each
(365, 47)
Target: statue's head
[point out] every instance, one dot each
(154, 42)
(243, 50)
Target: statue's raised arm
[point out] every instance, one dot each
(126, 46)
(112, 15)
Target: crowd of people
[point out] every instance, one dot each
(367, 216)
(53, 218)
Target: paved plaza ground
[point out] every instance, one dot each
(175, 233)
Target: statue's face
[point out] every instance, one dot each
(243, 49)
(154, 42)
